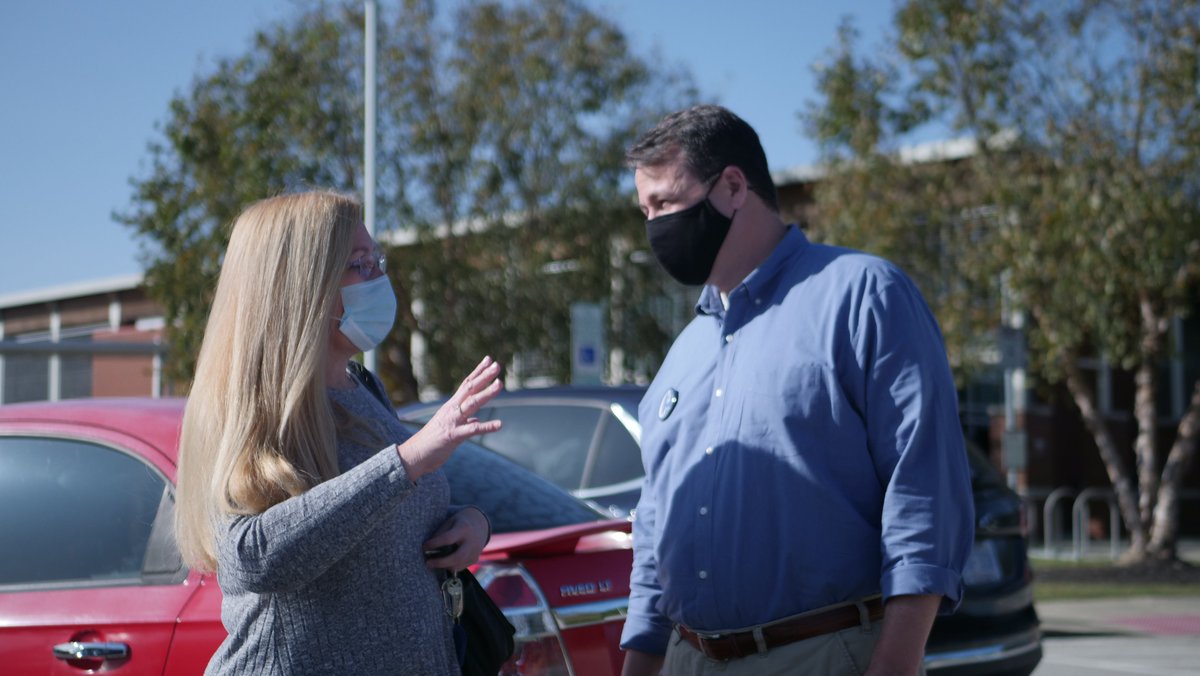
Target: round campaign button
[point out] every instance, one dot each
(668, 403)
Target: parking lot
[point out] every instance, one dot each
(1134, 637)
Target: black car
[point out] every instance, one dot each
(995, 630)
(585, 440)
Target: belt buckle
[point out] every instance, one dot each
(705, 637)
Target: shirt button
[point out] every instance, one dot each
(708, 451)
(704, 575)
(719, 392)
(758, 301)
(703, 511)
(729, 338)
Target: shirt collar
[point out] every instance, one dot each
(793, 243)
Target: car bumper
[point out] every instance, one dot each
(996, 634)
(1012, 655)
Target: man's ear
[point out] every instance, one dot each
(736, 186)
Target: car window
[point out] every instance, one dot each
(619, 458)
(551, 441)
(75, 511)
(513, 498)
(421, 416)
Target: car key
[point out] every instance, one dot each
(452, 595)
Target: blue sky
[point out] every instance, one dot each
(85, 84)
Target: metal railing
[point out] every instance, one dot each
(1049, 522)
(1053, 542)
(1081, 518)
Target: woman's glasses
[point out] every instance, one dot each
(366, 264)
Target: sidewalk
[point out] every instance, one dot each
(1102, 550)
(1158, 616)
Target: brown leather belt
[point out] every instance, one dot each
(729, 646)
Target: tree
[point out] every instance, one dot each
(517, 117)
(283, 116)
(1086, 144)
(501, 130)
(925, 213)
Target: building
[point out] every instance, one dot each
(100, 338)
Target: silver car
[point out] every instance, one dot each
(583, 439)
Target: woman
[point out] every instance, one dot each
(296, 484)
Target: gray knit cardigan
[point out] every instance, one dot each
(334, 581)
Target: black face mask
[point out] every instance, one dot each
(686, 242)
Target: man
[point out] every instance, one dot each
(807, 505)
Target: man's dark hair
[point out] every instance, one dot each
(710, 138)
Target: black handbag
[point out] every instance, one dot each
(487, 632)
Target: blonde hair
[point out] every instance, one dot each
(258, 427)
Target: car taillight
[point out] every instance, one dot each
(511, 591)
(539, 647)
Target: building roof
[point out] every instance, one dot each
(927, 151)
(92, 287)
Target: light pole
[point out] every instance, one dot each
(1013, 359)
(369, 359)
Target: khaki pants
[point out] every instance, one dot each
(840, 653)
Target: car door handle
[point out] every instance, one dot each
(91, 651)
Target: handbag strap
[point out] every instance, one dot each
(362, 375)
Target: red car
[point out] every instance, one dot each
(90, 578)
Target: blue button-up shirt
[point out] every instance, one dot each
(802, 448)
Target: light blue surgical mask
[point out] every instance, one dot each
(369, 310)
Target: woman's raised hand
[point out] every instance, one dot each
(454, 422)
